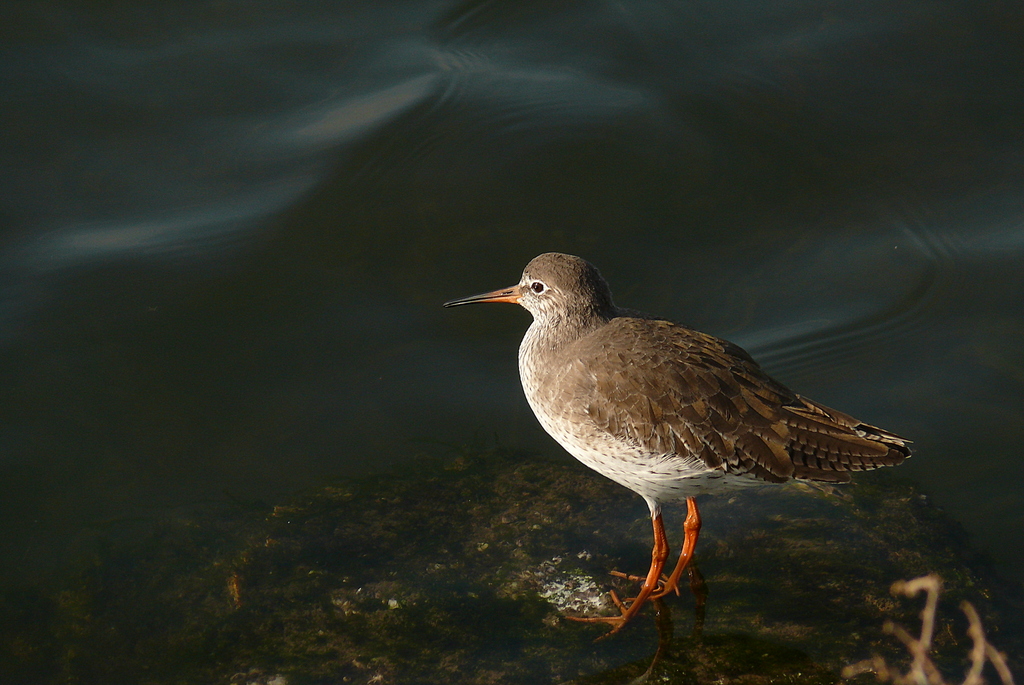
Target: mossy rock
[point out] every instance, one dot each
(458, 571)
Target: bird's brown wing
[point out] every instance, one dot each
(684, 393)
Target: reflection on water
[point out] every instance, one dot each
(192, 230)
(344, 121)
(227, 233)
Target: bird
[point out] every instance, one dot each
(668, 411)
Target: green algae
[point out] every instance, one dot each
(459, 571)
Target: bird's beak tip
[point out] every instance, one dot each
(510, 295)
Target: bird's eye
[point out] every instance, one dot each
(537, 287)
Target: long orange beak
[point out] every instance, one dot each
(511, 295)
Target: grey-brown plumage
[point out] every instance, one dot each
(669, 390)
(665, 410)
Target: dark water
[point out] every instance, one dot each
(228, 228)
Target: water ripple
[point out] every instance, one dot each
(817, 345)
(350, 117)
(186, 233)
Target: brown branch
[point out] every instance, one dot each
(923, 670)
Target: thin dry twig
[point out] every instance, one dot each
(923, 670)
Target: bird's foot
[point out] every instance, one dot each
(617, 623)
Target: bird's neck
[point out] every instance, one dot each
(552, 332)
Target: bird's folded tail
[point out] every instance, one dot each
(827, 445)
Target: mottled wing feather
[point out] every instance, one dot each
(828, 441)
(694, 396)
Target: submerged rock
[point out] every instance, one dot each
(459, 571)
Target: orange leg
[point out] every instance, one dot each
(659, 554)
(691, 530)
